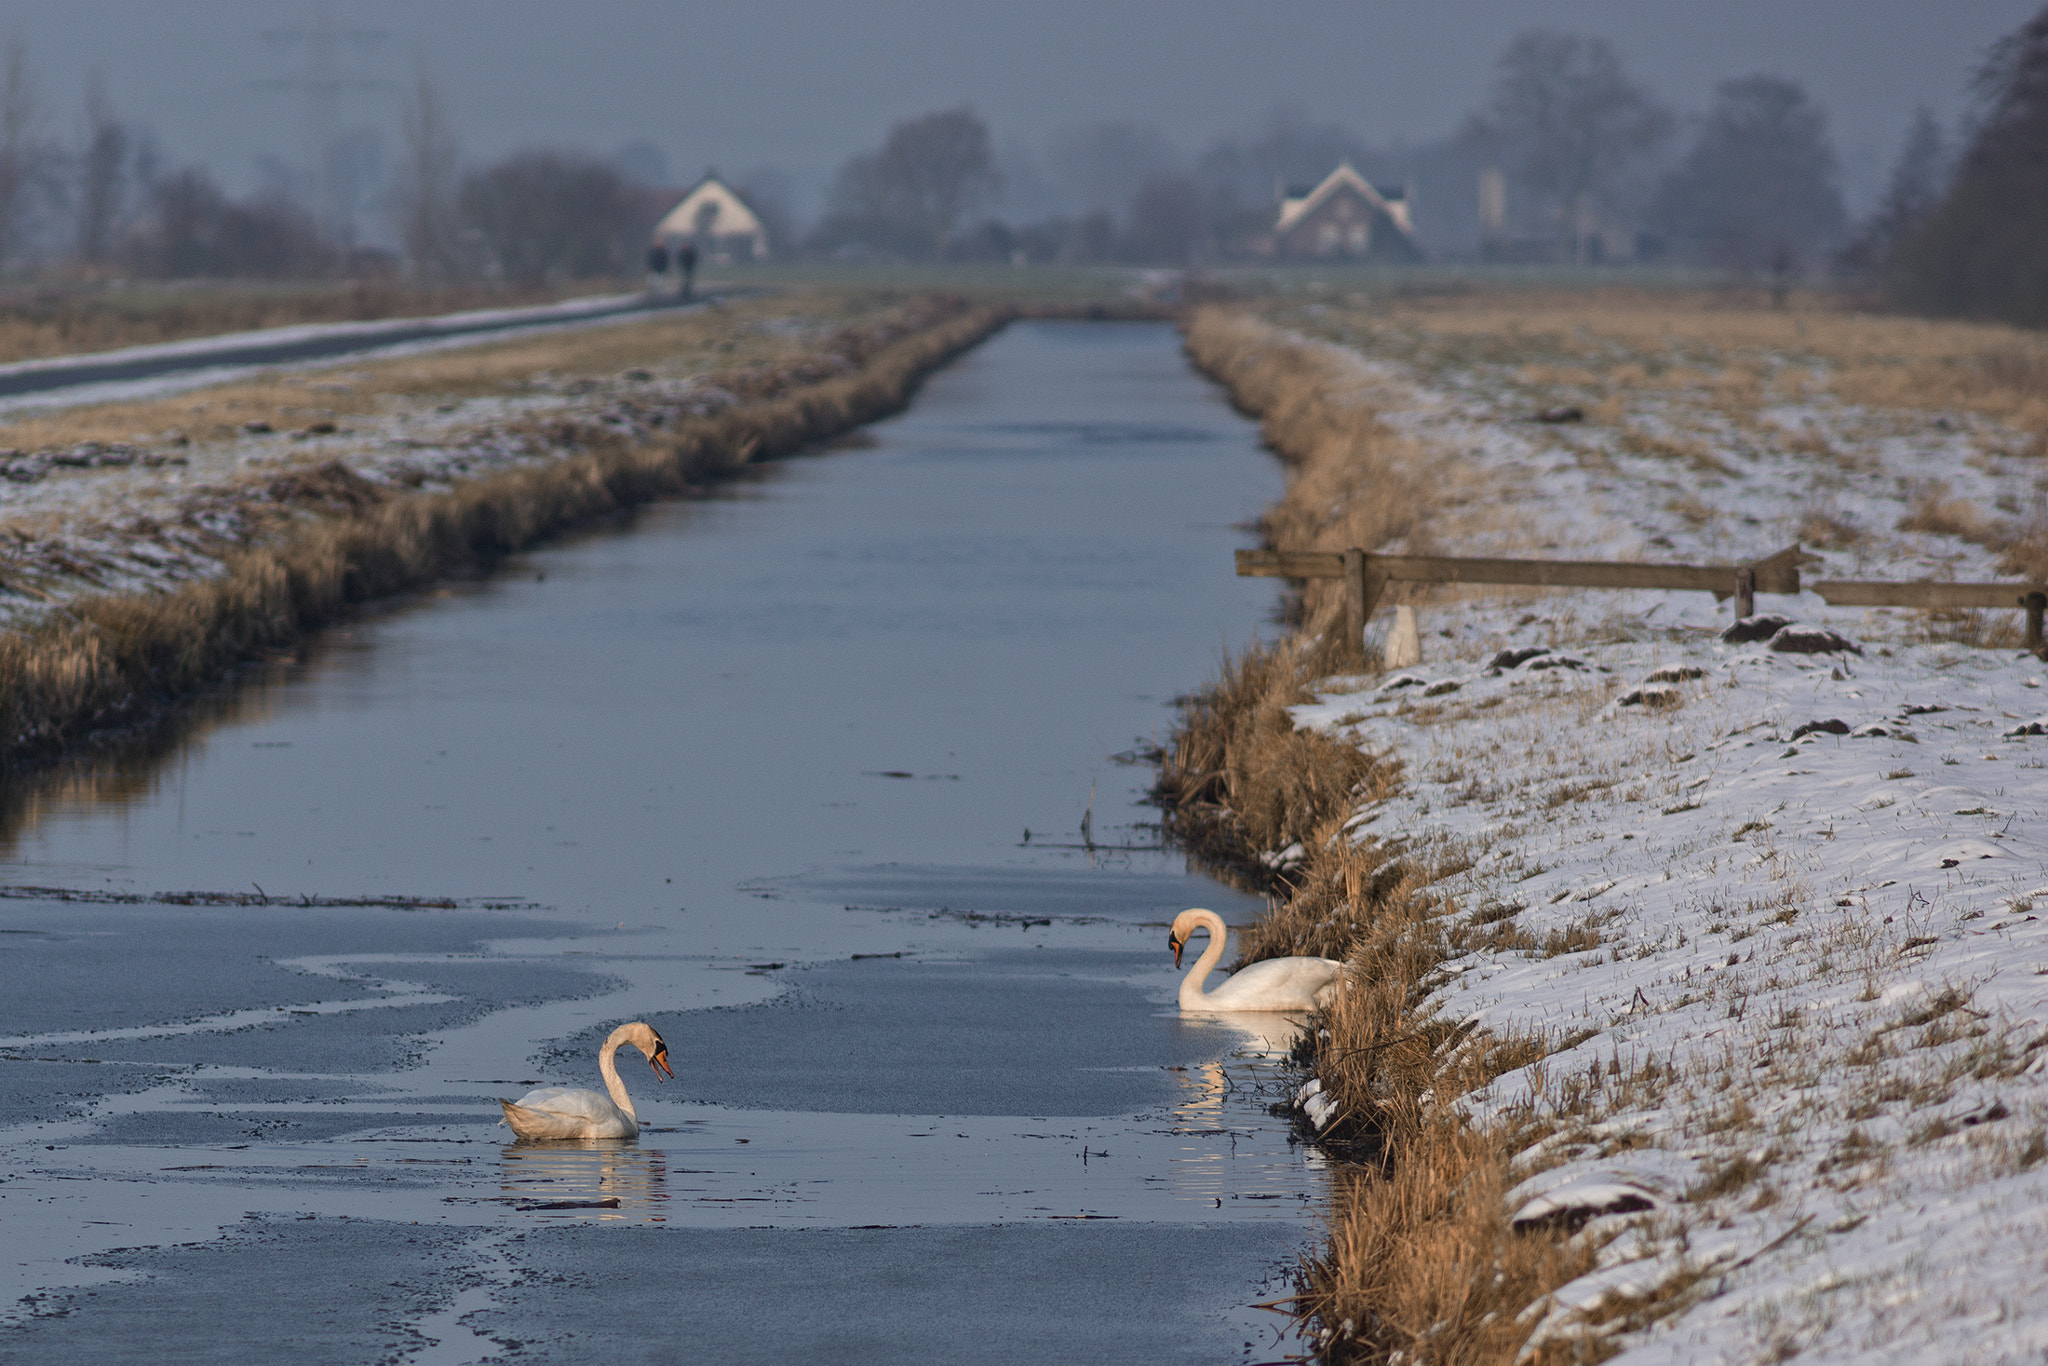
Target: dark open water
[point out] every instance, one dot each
(757, 770)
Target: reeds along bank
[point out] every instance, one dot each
(1421, 1261)
(116, 659)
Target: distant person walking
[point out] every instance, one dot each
(657, 267)
(686, 261)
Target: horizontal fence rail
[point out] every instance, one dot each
(1366, 576)
(1935, 596)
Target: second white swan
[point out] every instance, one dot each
(570, 1112)
(1272, 984)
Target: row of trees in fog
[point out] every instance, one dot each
(106, 203)
(1585, 165)
(1588, 166)
(1569, 160)
(1970, 240)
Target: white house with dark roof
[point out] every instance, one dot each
(717, 221)
(1345, 215)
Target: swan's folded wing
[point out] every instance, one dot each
(542, 1123)
(573, 1102)
(568, 1112)
(1281, 984)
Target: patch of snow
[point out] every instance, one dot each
(1814, 1027)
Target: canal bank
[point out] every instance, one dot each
(1696, 1005)
(225, 571)
(759, 768)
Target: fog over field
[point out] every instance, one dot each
(797, 86)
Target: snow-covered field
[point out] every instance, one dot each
(139, 515)
(1791, 907)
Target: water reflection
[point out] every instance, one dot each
(1221, 1099)
(577, 1178)
(128, 766)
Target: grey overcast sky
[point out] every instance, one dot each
(801, 84)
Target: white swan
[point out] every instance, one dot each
(567, 1112)
(1274, 984)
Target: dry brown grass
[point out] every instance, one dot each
(746, 338)
(1829, 528)
(1421, 1261)
(1883, 360)
(117, 659)
(1351, 480)
(1239, 777)
(1932, 510)
(59, 322)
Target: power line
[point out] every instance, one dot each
(322, 81)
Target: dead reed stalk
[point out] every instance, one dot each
(115, 660)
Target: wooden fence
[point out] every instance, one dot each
(1366, 576)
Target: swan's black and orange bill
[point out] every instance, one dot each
(1176, 942)
(659, 1059)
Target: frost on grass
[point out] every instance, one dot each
(1792, 907)
(140, 496)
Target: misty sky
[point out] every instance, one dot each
(800, 84)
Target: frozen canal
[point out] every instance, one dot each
(759, 771)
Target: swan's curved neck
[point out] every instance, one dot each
(612, 1085)
(1191, 994)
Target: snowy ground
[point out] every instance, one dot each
(131, 516)
(1806, 969)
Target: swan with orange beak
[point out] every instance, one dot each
(570, 1112)
(1271, 984)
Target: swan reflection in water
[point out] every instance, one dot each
(588, 1170)
(1224, 1101)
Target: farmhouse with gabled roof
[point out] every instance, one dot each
(717, 221)
(1346, 215)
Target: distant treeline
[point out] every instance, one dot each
(1570, 161)
(110, 207)
(1974, 240)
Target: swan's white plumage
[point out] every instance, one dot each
(573, 1112)
(1273, 984)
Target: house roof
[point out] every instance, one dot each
(1294, 208)
(729, 215)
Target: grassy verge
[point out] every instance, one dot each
(1422, 1263)
(116, 660)
(1700, 427)
(62, 321)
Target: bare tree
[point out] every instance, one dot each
(1571, 125)
(20, 121)
(910, 196)
(100, 175)
(1914, 192)
(1101, 165)
(426, 197)
(1981, 251)
(549, 215)
(1757, 188)
(1168, 220)
(196, 231)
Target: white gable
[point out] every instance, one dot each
(713, 210)
(1293, 210)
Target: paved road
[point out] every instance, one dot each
(202, 357)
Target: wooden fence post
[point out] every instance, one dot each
(2036, 605)
(1355, 607)
(1745, 593)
